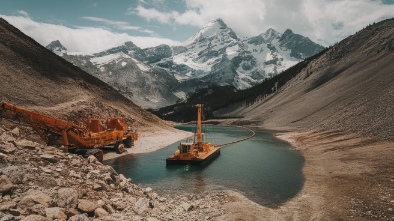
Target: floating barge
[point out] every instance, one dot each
(196, 150)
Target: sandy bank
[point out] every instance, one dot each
(149, 141)
(347, 177)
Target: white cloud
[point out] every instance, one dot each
(23, 13)
(324, 21)
(152, 14)
(118, 24)
(81, 39)
(331, 21)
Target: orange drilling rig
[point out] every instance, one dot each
(197, 150)
(99, 133)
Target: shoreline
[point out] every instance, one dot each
(347, 177)
(150, 141)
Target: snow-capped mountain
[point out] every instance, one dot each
(57, 48)
(144, 84)
(215, 55)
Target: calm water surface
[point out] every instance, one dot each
(263, 168)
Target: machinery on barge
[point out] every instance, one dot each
(195, 150)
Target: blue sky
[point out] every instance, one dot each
(95, 25)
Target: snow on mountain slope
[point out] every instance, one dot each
(210, 30)
(107, 59)
(217, 56)
(213, 56)
(145, 85)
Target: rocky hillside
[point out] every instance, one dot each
(41, 183)
(144, 84)
(350, 87)
(35, 78)
(215, 55)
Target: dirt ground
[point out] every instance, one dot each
(149, 141)
(347, 177)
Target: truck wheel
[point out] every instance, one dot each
(119, 147)
(96, 153)
(99, 155)
(128, 142)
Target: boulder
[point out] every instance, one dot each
(36, 209)
(35, 218)
(100, 212)
(97, 187)
(46, 170)
(14, 212)
(67, 198)
(186, 206)
(100, 203)
(50, 158)
(7, 148)
(30, 145)
(92, 159)
(119, 204)
(3, 158)
(15, 132)
(34, 202)
(7, 217)
(55, 213)
(87, 205)
(7, 206)
(141, 206)
(109, 209)
(81, 217)
(122, 178)
(108, 178)
(5, 184)
(10, 139)
(71, 212)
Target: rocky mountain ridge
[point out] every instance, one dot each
(34, 78)
(215, 55)
(349, 87)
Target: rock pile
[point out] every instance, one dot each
(40, 182)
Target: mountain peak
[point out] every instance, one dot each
(55, 43)
(130, 44)
(215, 24)
(219, 22)
(301, 47)
(57, 47)
(213, 28)
(270, 34)
(288, 32)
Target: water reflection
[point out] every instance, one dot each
(199, 183)
(263, 168)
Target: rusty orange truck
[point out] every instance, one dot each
(110, 133)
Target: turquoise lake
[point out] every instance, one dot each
(263, 168)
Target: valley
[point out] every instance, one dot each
(336, 105)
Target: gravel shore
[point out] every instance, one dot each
(347, 177)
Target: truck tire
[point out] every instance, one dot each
(128, 142)
(119, 147)
(96, 153)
